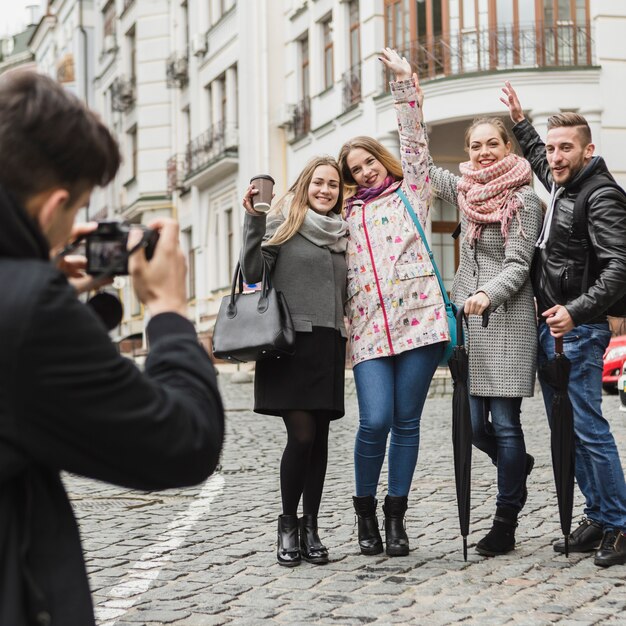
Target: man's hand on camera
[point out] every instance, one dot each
(160, 283)
(74, 265)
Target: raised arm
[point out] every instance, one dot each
(407, 96)
(257, 227)
(532, 146)
(443, 183)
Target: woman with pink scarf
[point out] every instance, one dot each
(501, 219)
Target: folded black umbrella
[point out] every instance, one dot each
(562, 443)
(462, 426)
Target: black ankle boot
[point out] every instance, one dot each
(288, 552)
(501, 538)
(370, 540)
(311, 548)
(395, 533)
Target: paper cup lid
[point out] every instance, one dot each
(266, 176)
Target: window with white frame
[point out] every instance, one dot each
(131, 152)
(190, 254)
(108, 21)
(327, 39)
(304, 66)
(131, 46)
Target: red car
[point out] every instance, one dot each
(614, 359)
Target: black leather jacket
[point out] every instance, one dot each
(558, 268)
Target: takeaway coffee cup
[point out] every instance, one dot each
(262, 201)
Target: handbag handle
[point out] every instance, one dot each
(263, 303)
(420, 230)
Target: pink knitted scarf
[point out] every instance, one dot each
(488, 196)
(365, 194)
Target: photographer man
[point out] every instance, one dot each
(68, 400)
(579, 276)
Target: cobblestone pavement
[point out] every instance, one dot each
(206, 556)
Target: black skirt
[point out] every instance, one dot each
(310, 380)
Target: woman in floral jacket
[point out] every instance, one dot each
(395, 310)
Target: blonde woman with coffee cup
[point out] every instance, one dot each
(302, 240)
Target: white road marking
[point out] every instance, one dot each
(147, 569)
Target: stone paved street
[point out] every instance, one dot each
(206, 555)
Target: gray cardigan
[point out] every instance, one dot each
(312, 278)
(502, 356)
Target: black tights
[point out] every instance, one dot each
(303, 466)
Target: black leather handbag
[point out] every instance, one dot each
(253, 326)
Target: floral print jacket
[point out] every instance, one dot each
(394, 301)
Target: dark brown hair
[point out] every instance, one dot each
(574, 120)
(496, 122)
(49, 139)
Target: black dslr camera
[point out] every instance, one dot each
(106, 250)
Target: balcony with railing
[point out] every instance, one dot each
(503, 48)
(123, 94)
(301, 119)
(351, 87)
(218, 142)
(177, 70)
(176, 173)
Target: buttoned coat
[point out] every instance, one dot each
(395, 303)
(502, 357)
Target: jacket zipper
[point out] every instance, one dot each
(380, 295)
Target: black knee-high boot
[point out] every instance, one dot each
(370, 540)
(395, 534)
(288, 552)
(311, 547)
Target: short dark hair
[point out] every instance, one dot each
(48, 138)
(572, 119)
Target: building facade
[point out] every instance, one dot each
(560, 55)
(205, 94)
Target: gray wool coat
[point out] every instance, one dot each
(502, 357)
(312, 278)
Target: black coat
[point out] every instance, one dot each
(559, 267)
(69, 401)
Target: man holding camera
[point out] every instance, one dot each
(579, 276)
(68, 400)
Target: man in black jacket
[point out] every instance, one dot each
(579, 274)
(68, 400)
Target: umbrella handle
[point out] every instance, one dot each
(558, 345)
(485, 318)
(460, 316)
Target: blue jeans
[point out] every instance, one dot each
(391, 392)
(503, 440)
(599, 471)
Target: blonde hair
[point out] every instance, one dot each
(295, 203)
(377, 150)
